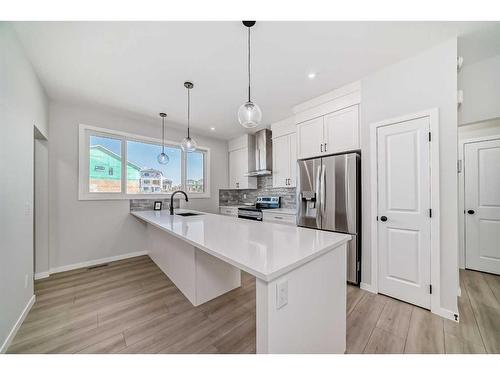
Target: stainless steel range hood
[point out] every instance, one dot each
(263, 154)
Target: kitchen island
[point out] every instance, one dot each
(300, 273)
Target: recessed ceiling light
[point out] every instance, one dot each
(212, 128)
(311, 75)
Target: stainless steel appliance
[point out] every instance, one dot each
(263, 153)
(328, 198)
(255, 212)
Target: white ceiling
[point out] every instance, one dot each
(140, 67)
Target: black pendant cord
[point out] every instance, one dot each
(249, 65)
(189, 101)
(163, 135)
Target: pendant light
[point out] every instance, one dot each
(249, 114)
(163, 158)
(188, 144)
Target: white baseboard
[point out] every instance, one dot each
(368, 288)
(95, 262)
(445, 313)
(19, 321)
(42, 275)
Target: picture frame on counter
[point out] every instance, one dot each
(157, 206)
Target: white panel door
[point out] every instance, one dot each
(403, 211)
(281, 161)
(342, 130)
(310, 138)
(482, 206)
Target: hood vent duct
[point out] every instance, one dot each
(263, 154)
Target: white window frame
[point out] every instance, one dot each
(84, 133)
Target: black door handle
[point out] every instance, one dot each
(471, 212)
(383, 218)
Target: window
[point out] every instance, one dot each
(116, 165)
(104, 158)
(194, 172)
(146, 175)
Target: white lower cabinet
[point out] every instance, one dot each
(228, 211)
(282, 218)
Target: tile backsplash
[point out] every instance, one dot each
(147, 204)
(228, 197)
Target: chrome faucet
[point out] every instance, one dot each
(172, 200)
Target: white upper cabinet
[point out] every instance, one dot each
(310, 138)
(241, 161)
(293, 159)
(329, 124)
(284, 153)
(341, 130)
(281, 162)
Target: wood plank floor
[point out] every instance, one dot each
(130, 306)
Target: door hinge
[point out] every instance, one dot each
(377, 217)
(430, 288)
(430, 212)
(430, 137)
(459, 166)
(358, 266)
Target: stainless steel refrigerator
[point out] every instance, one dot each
(328, 198)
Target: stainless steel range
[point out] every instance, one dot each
(255, 212)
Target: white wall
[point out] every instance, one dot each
(425, 81)
(23, 104)
(480, 83)
(82, 231)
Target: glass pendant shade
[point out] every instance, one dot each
(249, 115)
(188, 144)
(163, 158)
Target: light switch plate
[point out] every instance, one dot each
(281, 294)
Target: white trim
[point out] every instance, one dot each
(16, 326)
(447, 314)
(95, 262)
(83, 170)
(461, 192)
(42, 275)
(433, 115)
(368, 288)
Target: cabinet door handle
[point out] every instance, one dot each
(278, 217)
(325, 147)
(321, 147)
(237, 185)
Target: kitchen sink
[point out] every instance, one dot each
(188, 214)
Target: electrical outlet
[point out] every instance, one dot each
(281, 294)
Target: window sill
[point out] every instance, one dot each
(116, 196)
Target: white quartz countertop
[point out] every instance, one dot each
(265, 250)
(286, 211)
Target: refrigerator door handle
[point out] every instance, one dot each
(318, 196)
(323, 190)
